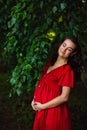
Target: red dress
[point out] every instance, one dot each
(49, 87)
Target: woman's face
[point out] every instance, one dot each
(66, 48)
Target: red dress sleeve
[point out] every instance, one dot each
(68, 79)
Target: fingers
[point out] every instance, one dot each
(32, 104)
(36, 106)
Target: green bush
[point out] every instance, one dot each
(30, 28)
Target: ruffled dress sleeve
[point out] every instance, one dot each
(68, 79)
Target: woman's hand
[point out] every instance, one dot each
(33, 105)
(38, 106)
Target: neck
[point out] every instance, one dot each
(61, 61)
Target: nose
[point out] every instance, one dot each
(64, 50)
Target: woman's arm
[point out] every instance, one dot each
(56, 101)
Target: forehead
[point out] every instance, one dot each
(69, 43)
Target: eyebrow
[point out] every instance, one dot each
(68, 47)
(71, 48)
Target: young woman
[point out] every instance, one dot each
(53, 90)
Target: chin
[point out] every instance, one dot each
(61, 54)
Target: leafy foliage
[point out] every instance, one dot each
(30, 28)
(16, 112)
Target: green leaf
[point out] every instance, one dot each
(19, 91)
(63, 6)
(54, 9)
(41, 4)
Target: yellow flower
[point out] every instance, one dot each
(51, 34)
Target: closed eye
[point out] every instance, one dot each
(64, 44)
(70, 49)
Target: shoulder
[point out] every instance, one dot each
(68, 68)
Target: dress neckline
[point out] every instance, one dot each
(47, 72)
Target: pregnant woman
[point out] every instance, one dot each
(53, 90)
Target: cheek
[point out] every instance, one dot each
(68, 53)
(60, 48)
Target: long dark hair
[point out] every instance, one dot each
(75, 60)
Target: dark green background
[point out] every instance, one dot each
(27, 28)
